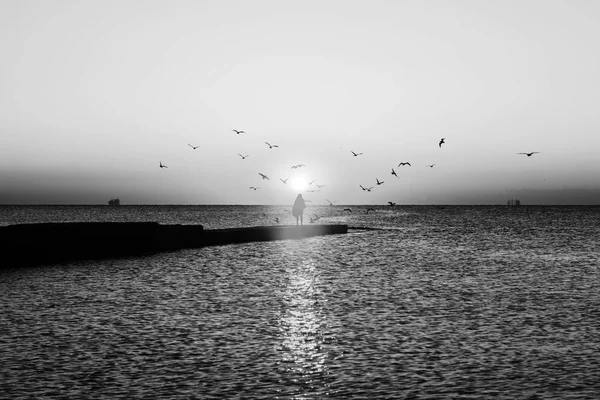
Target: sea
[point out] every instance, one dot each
(414, 302)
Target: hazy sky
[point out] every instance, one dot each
(94, 94)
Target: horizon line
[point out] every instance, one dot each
(286, 205)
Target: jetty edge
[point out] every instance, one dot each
(51, 243)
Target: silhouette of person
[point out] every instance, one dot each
(298, 209)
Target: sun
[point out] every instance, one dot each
(298, 183)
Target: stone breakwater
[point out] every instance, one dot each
(49, 243)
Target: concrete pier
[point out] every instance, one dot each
(266, 233)
(50, 243)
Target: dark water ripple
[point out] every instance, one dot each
(440, 304)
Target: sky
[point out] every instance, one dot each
(96, 94)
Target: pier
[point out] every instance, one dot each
(51, 243)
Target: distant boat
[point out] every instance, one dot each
(114, 202)
(513, 202)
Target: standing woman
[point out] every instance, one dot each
(298, 209)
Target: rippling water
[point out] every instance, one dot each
(441, 302)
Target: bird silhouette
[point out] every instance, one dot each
(284, 180)
(370, 209)
(311, 182)
(355, 154)
(244, 157)
(271, 145)
(264, 176)
(530, 154)
(298, 166)
(238, 132)
(320, 186)
(347, 209)
(254, 187)
(379, 182)
(442, 141)
(162, 165)
(276, 219)
(391, 203)
(193, 147)
(394, 173)
(330, 202)
(430, 165)
(364, 188)
(404, 163)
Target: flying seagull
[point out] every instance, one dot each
(254, 187)
(430, 165)
(530, 154)
(244, 157)
(442, 141)
(391, 203)
(193, 147)
(367, 189)
(330, 202)
(355, 154)
(284, 180)
(238, 132)
(394, 173)
(162, 165)
(347, 209)
(264, 176)
(311, 182)
(271, 145)
(404, 163)
(298, 166)
(379, 182)
(320, 186)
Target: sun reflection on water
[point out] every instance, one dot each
(300, 326)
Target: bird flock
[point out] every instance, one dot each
(317, 187)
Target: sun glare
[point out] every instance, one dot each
(298, 183)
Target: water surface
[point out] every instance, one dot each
(443, 302)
